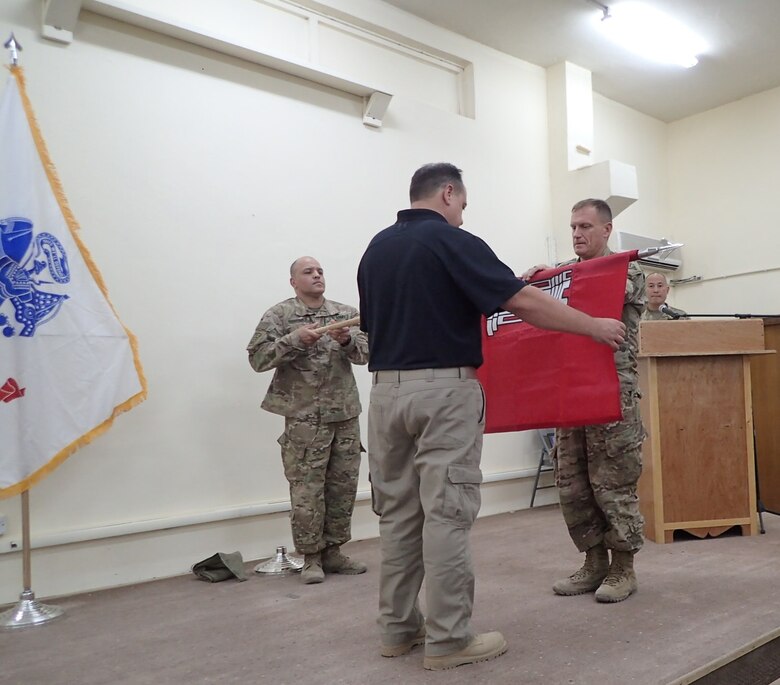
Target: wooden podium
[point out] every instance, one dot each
(699, 468)
(766, 415)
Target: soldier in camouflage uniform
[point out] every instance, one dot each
(657, 290)
(597, 467)
(314, 389)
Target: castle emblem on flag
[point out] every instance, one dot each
(557, 286)
(25, 266)
(10, 390)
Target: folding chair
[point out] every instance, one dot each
(547, 436)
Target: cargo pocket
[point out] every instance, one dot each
(374, 498)
(462, 498)
(293, 458)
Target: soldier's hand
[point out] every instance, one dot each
(340, 335)
(609, 331)
(307, 336)
(528, 273)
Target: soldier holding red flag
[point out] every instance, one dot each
(597, 467)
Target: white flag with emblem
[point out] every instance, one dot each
(67, 364)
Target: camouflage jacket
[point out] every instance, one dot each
(633, 306)
(657, 315)
(316, 380)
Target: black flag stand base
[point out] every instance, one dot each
(28, 611)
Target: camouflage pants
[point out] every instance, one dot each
(321, 463)
(596, 471)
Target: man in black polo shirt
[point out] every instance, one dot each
(424, 284)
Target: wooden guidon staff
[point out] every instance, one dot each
(337, 324)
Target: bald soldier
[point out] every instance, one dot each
(657, 292)
(314, 388)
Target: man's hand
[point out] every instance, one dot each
(528, 273)
(307, 336)
(609, 331)
(543, 311)
(340, 335)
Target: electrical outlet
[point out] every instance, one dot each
(3, 524)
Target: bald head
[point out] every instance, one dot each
(307, 279)
(294, 265)
(657, 290)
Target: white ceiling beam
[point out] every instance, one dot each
(376, 100)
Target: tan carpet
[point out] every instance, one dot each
(698, 600)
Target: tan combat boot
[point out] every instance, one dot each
(587, 578)
(312, 569)
(620, 582)
(333, 561)
(482, 647)
(404, 647)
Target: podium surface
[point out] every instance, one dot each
(698, 460)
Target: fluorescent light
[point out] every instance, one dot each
(652, 34)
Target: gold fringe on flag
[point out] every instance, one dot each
(56, 186)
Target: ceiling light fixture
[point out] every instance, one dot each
(650, 33)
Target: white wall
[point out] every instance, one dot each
(197, 178)
(723, 178)
(627, 136)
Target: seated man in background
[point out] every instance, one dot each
(314, 389)
(657, 291)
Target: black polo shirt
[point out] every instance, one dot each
(423, 287)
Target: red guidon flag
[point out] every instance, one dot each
(534, 378)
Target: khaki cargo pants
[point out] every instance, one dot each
(424, 449)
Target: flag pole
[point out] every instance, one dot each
(663, 250)
(28, 611)
(338, 324)
(13, 47)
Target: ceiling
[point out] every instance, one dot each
(743, 56)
